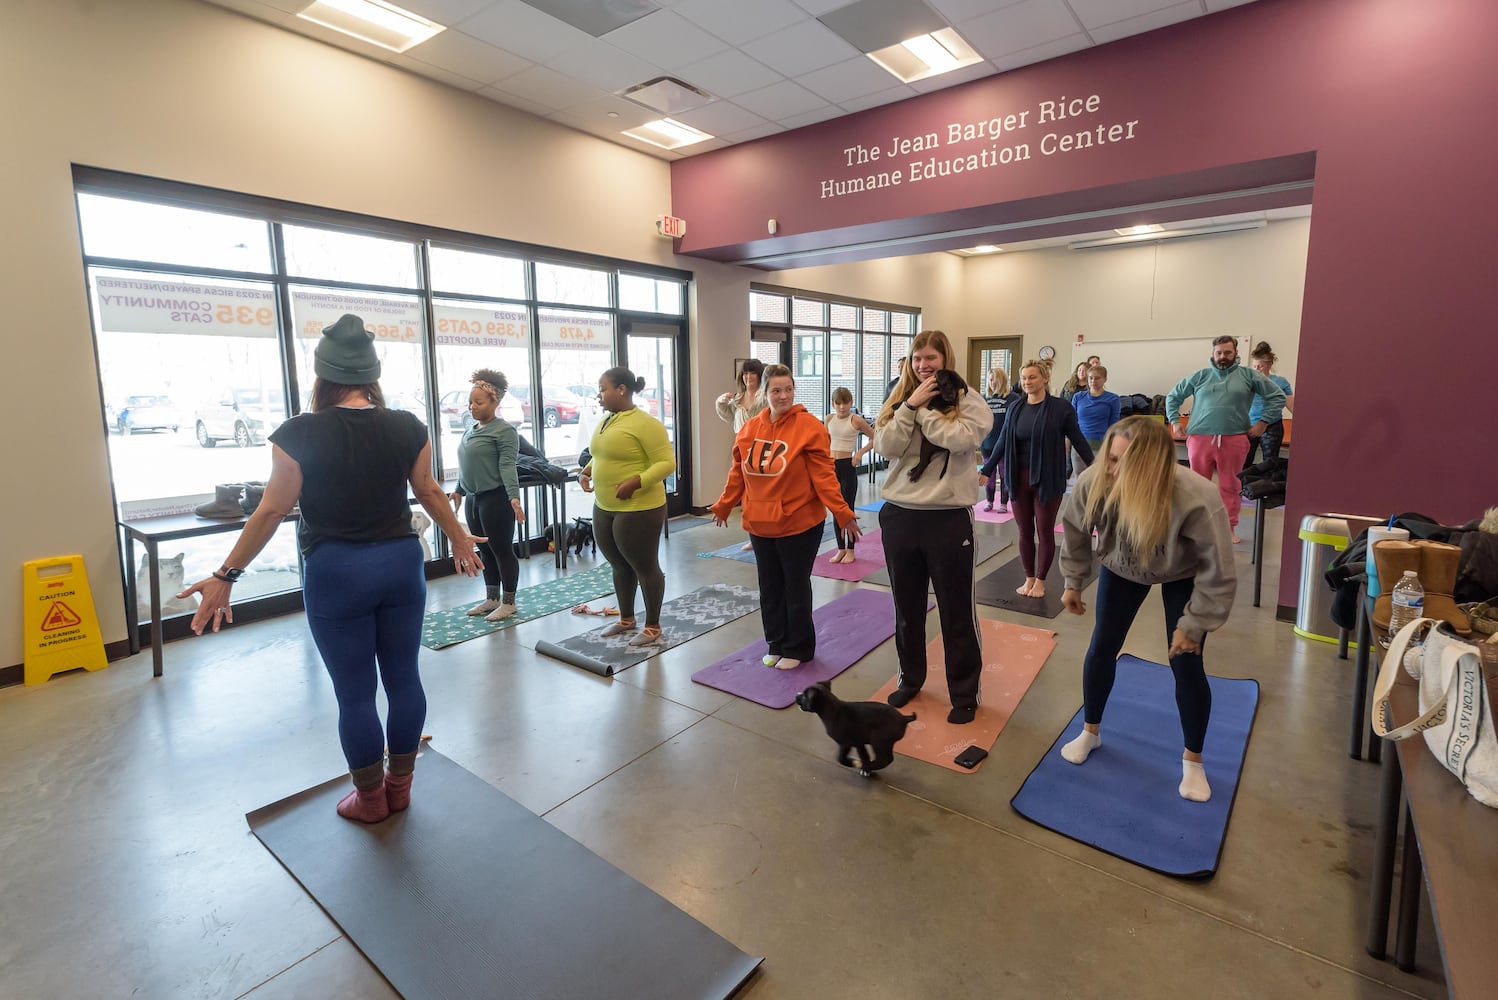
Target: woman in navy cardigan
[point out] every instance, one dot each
(1033, 450)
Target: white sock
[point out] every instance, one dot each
(787, 663)
(769, 659)
(500, 613)
(1077, 750)
(1194, 781)
(484, 608)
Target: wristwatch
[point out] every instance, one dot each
(227, 575)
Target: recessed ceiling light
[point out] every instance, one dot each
(373, 21)
(1140, 230)
(613, 114)
(667, 133)
(925, 56)
(978, 250)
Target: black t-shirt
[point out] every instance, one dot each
(1026, 424)
(355, 465)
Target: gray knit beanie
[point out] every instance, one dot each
(345, 354)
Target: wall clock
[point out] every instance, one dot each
(1047, 353)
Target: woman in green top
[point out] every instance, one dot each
(631, 459)
(486, 476)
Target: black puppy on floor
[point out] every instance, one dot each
(949, 389)
(871, 727)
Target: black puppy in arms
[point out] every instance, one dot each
(870, 727)
(949, 389)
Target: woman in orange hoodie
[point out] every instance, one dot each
(782, 472)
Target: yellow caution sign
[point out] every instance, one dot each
(62, 630)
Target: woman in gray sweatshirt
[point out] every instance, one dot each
(1156, 522)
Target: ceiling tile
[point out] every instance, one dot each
(851, 78)
(273, 11)
(516, 101)
(436, 73)
(890, 96)
(1040, 53)
(595, 114)
(736, 22)
(816, 8)
(758, 132)
(1173, 14)
(780, 100)
(603, 66)
(519, 27)
(721, 118)
(666, 39)
(974, 72)
(801, 48)
(445, 12)
(1021, 26)
(1096, 13)
(728, 74)
(958, 11)
(465, 55)
(812, 117)
(545, 86)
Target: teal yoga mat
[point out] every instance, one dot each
(454, 625)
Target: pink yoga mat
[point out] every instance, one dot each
(870, 553)
(994, 517)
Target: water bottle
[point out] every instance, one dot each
(1408, 602)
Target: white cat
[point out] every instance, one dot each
(171, 584)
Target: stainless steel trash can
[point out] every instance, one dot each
(1321, 538)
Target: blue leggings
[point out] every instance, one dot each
(1118, 601)
(365, 604)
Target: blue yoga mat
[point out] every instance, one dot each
(872, 506)
(738, 553)
(1123, 801)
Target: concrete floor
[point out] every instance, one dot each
(129, 870)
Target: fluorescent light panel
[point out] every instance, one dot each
(373, 21)
(978, 250)
(1168, 234)
(1140, 230)
(667, 133)
(925, 56)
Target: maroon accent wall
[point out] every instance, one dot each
(1389, 103)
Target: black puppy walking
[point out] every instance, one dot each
(871, 727)
(949, 389)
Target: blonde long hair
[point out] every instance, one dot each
(1139, 494)
(908, 380)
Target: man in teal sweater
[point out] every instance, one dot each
(1217, 436)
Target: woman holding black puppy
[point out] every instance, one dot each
(927, 524)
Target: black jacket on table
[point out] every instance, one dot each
(1046, 459)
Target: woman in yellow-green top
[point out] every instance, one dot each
(631, 459)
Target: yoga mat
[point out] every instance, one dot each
(682, 618)
(446, 628)
(847, 630)
(1012, 658)
(996, 590)
(467, 894)
(738, 553)
(1123, 800)
(870, 552)
(989, 544)
(873, 506)
(990, 516)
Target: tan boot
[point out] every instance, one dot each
(1438, 566)
(1392, 559)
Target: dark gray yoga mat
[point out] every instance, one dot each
(682, 618)
(468, 894)
(996, 590)
(989, 539)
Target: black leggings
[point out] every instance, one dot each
(1118, 601)
(847, 480)
(631, 542)
(1036, 522)
(490, 515)
(1274, 436)
(784, 567)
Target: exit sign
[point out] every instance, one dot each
(670, 225)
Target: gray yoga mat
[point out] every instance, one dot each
(990, 540)
(682, 618)
(996, 590)
(468, 894)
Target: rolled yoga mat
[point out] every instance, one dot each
(847, 630)
(989, 541)
(996, 590)
(1124, 799)
(682, 618)
(468, 894)
(1012, 658)
(446, 628)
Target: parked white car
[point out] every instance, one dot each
(244, 416)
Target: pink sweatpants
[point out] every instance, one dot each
(1224, 453)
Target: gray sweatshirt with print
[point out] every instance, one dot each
(960, 434)
(1198, 544)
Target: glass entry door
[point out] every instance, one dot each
(653, 351)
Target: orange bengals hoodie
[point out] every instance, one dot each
(782, 472)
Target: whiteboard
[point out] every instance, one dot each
(1148, 367)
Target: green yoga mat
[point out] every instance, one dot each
(448, 628)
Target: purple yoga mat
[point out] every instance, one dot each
(870, 557)
(848, 629)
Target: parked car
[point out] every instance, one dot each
(650, 399)
(584, 391)
(244, 416)
(146, 413)
(454, 406)
(560, 404)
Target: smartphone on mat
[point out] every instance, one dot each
(971, 757)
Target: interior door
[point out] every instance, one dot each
(987, 353)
